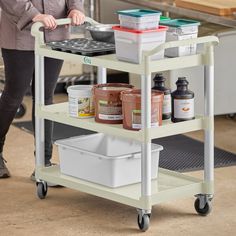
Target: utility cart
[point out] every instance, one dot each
(169, 185)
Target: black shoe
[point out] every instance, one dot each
(32, 177)
(4, 172)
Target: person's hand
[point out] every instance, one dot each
(77, 17)
(48, 20)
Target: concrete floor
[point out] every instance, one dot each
(71, 213)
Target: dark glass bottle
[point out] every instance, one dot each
(182, 102)
(159, 84)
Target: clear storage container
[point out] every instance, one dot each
(131, 43)
(139, 19)
(180, 29)
(104, 159)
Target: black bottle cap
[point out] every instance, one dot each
(181, 81)
(159, 78)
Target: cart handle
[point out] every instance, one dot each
(210, 40)
(39, 37)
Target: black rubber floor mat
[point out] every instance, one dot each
(180, 153)
(60, 131)
(184, 154)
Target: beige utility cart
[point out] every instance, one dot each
(169, 185)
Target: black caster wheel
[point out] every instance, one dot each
(20, 111)
(42, 190)
(231, 116)
(143, 223)
(202, 211)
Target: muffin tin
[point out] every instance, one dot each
(83, 46)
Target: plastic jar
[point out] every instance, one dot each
(108, 106)
(81, 103)
(131, 106)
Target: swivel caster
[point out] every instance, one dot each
(143, 222)
(203, 205)
(231, 116)
(42, 189)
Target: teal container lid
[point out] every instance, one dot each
(139, 12)
(163, 18)
(179, 23)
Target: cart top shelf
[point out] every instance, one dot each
(145, 68)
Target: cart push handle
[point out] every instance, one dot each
(207, 40)
(39, 37)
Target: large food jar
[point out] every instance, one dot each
(108, 106)
(131, 105)
(80, 101)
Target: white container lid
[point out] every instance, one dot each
(80, 90)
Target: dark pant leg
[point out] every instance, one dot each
(19, 69)
(52, 71)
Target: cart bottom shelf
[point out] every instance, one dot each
(170, 186)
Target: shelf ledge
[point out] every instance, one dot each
(59, 113)
(169, 186)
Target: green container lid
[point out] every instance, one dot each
(164, 18)
(139, 12)
(179, 23)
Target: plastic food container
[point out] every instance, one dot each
(108, 106)
(131, 43)
(164, 18)
(100, 159)
(131, 106)
(180, 29)
(139, 19)
(81, 103)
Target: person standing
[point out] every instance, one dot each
(17, 46)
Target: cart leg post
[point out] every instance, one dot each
(101, 75)
(146, 144)
(209, 131)
(203, 201)
(39, 122)
(146, 175)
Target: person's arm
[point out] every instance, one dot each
(21, 12)
(75, 11)
(75, 5)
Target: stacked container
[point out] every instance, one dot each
(139, 31)
(139, 19)
(179, 29)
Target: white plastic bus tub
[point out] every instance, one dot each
(139, 19)
(180, 29)
(104, 159)
(131, 43)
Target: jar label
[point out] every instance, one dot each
(184, 108)
(81, 107)
(110, 110)
(136, 119)
(166, 108)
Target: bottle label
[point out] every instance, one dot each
(184, 108)
(166, 108)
